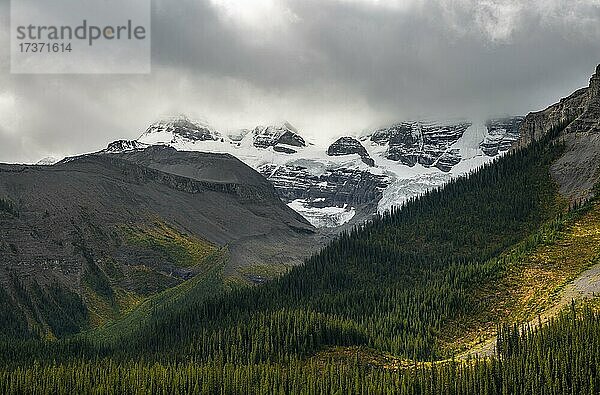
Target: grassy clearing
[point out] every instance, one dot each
(533, 276)
(209, 281)
(102, 310)
(181, 249)
(262, 272)
(108, 297)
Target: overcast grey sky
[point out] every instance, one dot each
(327, 66)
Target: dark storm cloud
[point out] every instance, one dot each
(327, 66)
(417, 63)
(437, 56)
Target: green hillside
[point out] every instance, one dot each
(107, 293)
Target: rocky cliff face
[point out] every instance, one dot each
(536, 124)
(349, 146)
(332, 188)
(578, 115)
(327, 198)
(278, 137)
(589, 120)
(503, 133)
(424, 143)
(579, 111)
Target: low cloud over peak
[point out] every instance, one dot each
(327, 66)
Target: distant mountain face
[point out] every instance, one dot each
(427, 144)
(354, 176)
(578, 116)
(503, 133)
(282, 138)
(350, 146)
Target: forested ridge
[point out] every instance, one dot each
(393, 285)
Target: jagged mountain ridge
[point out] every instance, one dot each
(388, 165)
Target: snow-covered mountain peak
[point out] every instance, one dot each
(278, 137)
(179, 129)
(48, 161)
(123, 146)
(352, 177)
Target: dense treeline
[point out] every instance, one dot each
(559, 358)
(63, 311)
(563, 357)
(12, 320)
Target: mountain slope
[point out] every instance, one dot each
(397, 284)
(424, 274)
(416, 279)
(92, 235)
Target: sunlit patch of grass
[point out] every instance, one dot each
(102, 310)
(545, 272)
(532, 277)
(208, 282)
(182, 249)
(263, 272)
(179, 249)
(359, 355)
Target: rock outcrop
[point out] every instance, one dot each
(272, 136)
(503, 133)
(331, 188)
(579, 111)
(576, 118)
(424, 143)
(120, 146)
(349, 146)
